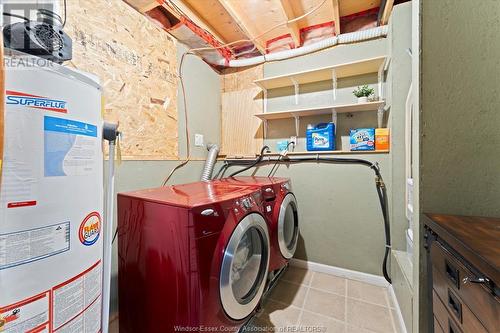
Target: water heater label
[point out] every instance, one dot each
(75, 299)
(21, 247)
(29, 315)
(70, 147)
(90, 229)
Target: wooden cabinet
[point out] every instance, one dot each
(465, 297)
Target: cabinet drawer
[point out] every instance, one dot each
(437, 327)
(443, 321)
(448, 301)
(453, 280)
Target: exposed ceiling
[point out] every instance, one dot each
(263, 26)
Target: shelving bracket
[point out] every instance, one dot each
(334, 84)
(380, 115)
(334, 118)
(296, 86)
(264, 94)
(264, 124)
(381, 71)
(297, 124)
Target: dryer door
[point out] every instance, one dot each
(244, 267)
(288, 226)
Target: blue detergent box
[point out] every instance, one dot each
(321, 137)
(362, 139)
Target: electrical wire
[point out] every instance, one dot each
(65, 11)
(193, 52)
(16, 16)
(186, 121)
(253, 39)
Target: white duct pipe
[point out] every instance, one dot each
(208, 169)
(351, 37)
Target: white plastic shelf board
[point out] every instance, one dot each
(51, 201)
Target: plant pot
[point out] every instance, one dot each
(363, 99)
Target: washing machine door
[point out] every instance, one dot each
(288, 226)
(245, 267)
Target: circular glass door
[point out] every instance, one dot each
(244, 267)
(288, 226)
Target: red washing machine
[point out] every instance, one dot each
(281, 211)
(191, 257)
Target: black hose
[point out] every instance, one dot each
(257, 161)
(379, 184)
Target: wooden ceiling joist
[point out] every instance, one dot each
(198, 19)
(228, 6)
(293, 26)
(336, 16)
(387, 12)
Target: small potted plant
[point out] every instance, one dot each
(362, 93)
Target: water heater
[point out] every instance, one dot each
(51, 199)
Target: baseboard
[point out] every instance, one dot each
(354, 275)
(342, 272)
(399, 320)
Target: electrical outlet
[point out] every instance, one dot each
(198, 140)
(294, 140)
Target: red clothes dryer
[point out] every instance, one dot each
(281, 212)
(191, 257)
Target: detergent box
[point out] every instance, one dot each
(382, 139)
(362, 139)
(321, 137)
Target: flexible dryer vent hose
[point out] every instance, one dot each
(379, 184)
(208, 169)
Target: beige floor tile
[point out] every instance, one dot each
(325, 303)
(369, 316)
(289, 293)
(333, 284)
(297, 275)
(277, 315)
(367, 292)
(311, 322)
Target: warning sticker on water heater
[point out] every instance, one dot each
(78, 300)
(21, 247)
(29, 315)
(70, 147)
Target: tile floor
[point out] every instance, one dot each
(306, 301)
(316, 302)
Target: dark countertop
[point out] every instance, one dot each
(477, 239)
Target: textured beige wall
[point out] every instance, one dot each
(459, 151)
(460, 107)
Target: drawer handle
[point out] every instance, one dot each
(451, 327)
(455, 305)
(452, 273)
(478, 280)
